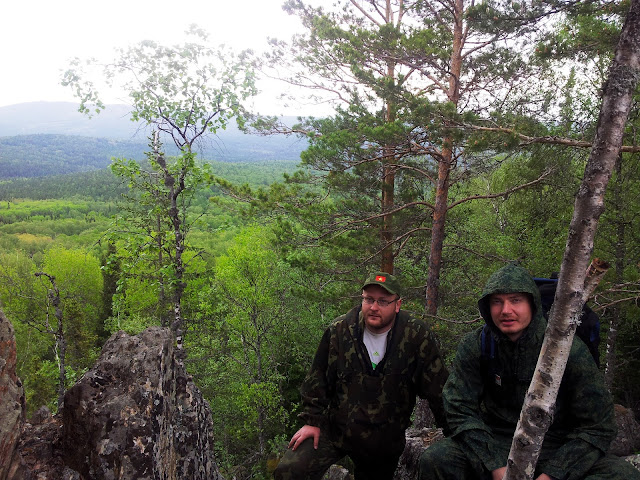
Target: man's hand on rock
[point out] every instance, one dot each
(301, 435)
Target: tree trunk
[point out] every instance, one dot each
(388, 180)
(610, 352)
(437, 234)
(441, 204)
(386, 234)
(162, 294)
(60, 346)
(175, 186)
(536, 415)
(620, 260)
(445, 164)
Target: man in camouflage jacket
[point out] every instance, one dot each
(357, 407)
(488, 383)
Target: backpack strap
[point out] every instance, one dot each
(488, 355)
(487, 343)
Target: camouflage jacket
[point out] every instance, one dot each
(365, 409)
(483, 397)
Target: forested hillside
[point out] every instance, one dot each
(46, 155)
(248, 246)
(48, 138)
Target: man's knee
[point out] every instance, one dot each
(293, 465)
(306, 462)
(611, 467)
(289, 470)
(431, 459)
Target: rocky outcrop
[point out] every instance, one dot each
(417, 442)
(137, 415)
(336, 472)
(12, 402)
(634, 460)
(627, 442)
(40, 449)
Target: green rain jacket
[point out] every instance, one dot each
(483, 397)
(366, 410)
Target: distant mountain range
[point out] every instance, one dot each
(40, 137)
(63, 118)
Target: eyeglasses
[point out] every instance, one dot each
(381, 302)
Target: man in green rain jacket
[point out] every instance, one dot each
(361, 389)
(487, 386)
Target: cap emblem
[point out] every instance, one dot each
(380, 278)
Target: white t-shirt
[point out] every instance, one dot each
(376, 344)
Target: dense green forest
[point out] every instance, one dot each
(258, 257)
(45, 155)
(38, 155)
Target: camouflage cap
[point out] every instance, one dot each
(386, 281)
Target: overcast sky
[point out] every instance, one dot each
(38, 37)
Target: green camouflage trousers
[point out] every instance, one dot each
(446, 460)
(306, 463)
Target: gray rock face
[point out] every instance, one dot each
(627, 442)
(40, 454)
(634, 460)
(417, 442)
(136, 415)
(12, 402)
(336, 472)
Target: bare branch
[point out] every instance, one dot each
(547, 140)
(503, 194)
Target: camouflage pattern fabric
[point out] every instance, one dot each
(363, 411)
(457, 465)
(306, 463)
(483, 407)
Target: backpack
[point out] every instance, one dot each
(588, 330)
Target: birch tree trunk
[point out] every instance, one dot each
(573, 288)
(60, 346)
(175, 184)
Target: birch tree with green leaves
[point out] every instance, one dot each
(184, 94)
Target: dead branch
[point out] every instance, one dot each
(546, 140)
(505, 193)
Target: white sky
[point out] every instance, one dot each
(39, 37)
